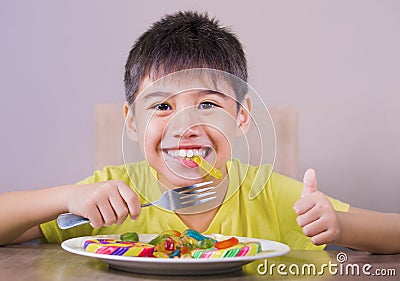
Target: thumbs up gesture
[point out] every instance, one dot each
(315, 214)
(310, 183)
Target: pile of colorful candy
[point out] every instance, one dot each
(118, 248)
(172, 244)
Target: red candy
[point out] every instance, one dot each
(226, 243)
(169, 244)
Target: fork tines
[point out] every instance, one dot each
(197, 202)
(192, 187)
(198, 197)
(195, 194)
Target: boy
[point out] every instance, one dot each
(161, 122)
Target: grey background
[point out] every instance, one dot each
(336, 62)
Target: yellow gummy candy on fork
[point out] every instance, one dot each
(210, 169)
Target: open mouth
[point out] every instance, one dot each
(188, 153)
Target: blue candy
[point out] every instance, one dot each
(175, 253)
(194, 234)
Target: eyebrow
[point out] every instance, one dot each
(212, 92)
(157, 95)
(166, 95)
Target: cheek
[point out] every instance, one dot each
(224, 142)
(150, 134)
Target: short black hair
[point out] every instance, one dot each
(183, 40)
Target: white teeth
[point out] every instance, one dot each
(187, 153)
(182, 153)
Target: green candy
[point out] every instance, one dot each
(206, 243)
(159, 239)
(129, 237)
(203, 242)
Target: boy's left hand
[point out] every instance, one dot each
(315, 213)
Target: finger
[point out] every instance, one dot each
(107, 213)
(120, 208)
(95, 218)
(303, 205)
(324, 237)
(131, 199)
(310, 182)
(308, 217)
(314, 228)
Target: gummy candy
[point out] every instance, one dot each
(207, 167)
(226, 243)
(130, 237)
(194, 234)
(173, 244)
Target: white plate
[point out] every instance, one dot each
(177, 266)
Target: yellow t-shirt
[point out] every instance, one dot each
(269, 215)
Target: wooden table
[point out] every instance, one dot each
(50, 262)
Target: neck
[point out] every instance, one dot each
(199, 217)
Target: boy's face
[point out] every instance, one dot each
(173, 121)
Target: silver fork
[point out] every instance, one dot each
(175, 199)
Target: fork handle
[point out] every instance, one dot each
(148, 204)
(69, 220)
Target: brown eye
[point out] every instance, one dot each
(162, 106)
(207, 105)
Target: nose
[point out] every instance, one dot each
(185, 124)
(188, 133)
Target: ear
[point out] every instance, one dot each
(244, 116)
(130, 123)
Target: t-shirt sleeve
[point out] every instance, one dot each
(53, 234)
(286, 192)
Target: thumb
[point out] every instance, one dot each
(310, 182)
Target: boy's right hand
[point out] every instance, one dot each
(104, 203)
